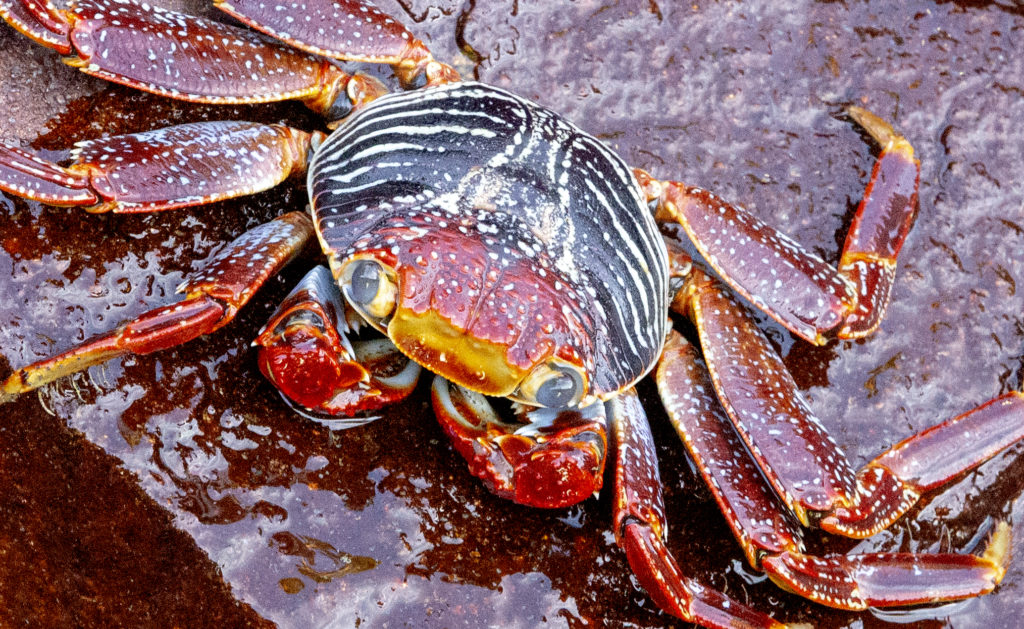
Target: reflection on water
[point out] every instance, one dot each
(184, 475)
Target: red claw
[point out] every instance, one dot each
(303, 366)
(305, 353)
(556, 474)
(554, 459)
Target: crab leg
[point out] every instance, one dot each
(883, 219)
(191, 164)
(640, 529)
(305, 351)
(185, 57)
(349, 30)
(798, 458)
(926, 461)
(797, 288)
(771, 538)
(38, 20)
(548, 459)
(856, 582)
(756, 515)
(211, 300)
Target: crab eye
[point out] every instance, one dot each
(553, 385)
(368, 287)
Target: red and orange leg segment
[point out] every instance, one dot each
(211, 300)
(38, 20)
(803, 465)
(547, 458)
(185, 57)
(771, 538)
(640, 528)
(801, 462)
(856, 582)
(185, 165)
(881, 224)
(757, 517)
(795, 287)
(306, 352)
(349, 30)
(927, 461)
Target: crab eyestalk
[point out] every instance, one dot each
(371, 289)
(555, 384)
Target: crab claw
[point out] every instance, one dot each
(554, 460)
(305, 352)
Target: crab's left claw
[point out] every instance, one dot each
(640, 529)
(551, 459)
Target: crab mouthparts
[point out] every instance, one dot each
(432, 341)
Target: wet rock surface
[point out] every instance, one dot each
(177, 488)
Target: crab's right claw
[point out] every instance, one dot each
(305, 351)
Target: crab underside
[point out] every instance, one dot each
(479, 236)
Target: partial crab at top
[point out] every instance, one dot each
(476, 235)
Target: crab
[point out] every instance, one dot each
(496, 245)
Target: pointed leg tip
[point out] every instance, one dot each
(879, 129)
(883, 132)
(997, 551)
(12, 387)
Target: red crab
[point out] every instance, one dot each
(513, 255)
